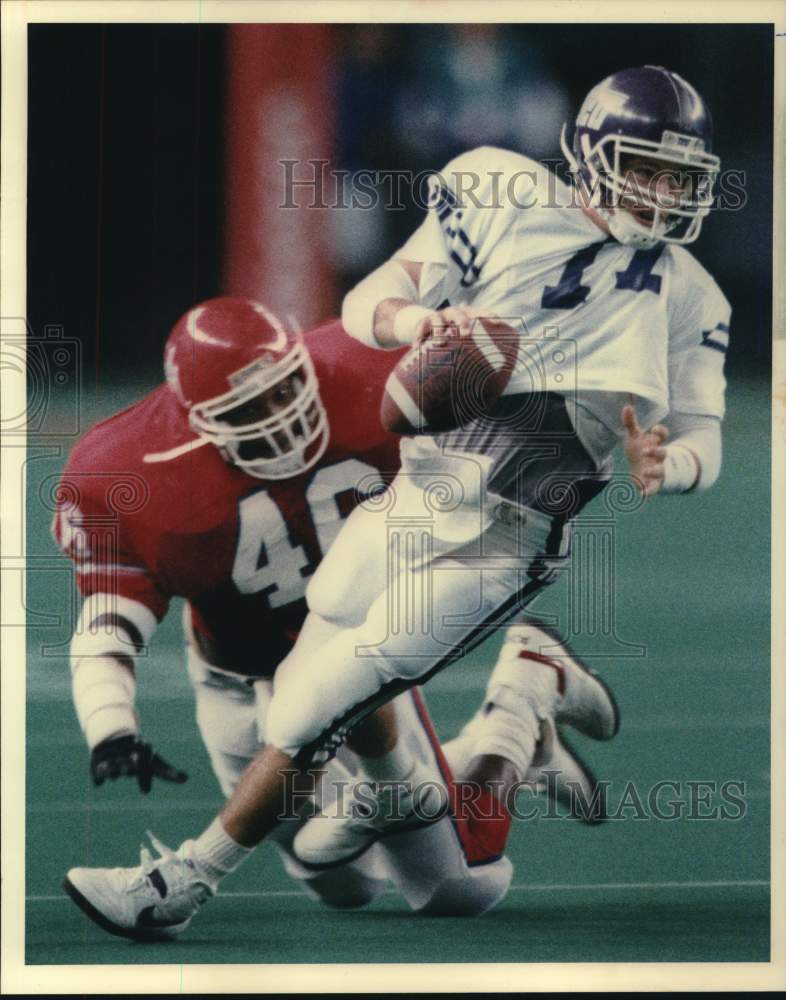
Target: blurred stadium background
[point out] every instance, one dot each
(154, 181)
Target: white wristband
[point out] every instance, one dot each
(358, 310)
(681, 470)
(406, 322)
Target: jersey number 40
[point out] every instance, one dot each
(270, 559)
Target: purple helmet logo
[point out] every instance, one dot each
(646, 117)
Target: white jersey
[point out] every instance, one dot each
(601, 320)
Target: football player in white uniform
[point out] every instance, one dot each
(623, 333)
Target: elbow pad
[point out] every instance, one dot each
(390, 281)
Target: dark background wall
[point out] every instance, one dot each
(125, 164)
(124, 183)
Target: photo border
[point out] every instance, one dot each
(15, 976)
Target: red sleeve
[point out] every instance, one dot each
(352, 381)
(91, 526)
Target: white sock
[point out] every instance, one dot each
(517, 699)
(509, 734)
(216, 853)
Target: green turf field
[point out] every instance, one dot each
(692, 588)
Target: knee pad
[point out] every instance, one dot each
(470, 895)
(343, 888)
(346, 887)
(336, 601)
(430, 869)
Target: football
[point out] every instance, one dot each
(448, 380)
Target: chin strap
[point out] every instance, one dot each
(625, 230)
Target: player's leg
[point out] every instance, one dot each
(336, 692)
(451, 866)
(347, 886)
(231, 714)
(457, 601)
(226, 714)
(456, 864)
(432, 613)
(354, 571)
(469, 592)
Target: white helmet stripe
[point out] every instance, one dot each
(193, 328)
(281, 337)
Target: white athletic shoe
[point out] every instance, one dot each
(585, 701)
(373, 810)
(154, 901)
(560, 772)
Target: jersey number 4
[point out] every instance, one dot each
(269, 559)
(569, 292)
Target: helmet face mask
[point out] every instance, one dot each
(271, 442)
(673, 219)
(270, 421)
(641, 154)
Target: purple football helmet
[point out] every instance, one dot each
(643, 118)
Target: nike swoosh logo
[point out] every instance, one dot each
(156, 879)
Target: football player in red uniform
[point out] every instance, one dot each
(225, 486)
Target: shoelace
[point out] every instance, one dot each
(147, 863)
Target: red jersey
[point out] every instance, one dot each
(239, 549)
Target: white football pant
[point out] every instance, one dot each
(406, 595)
(429, 867)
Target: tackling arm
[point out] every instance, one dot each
(104, 686)
(118, 617)
(102, 669)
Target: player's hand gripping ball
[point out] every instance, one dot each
(452, 376)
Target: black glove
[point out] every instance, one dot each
(129, 755)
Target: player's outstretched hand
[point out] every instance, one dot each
(129, 756)
(644, 451)
(451, 320)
